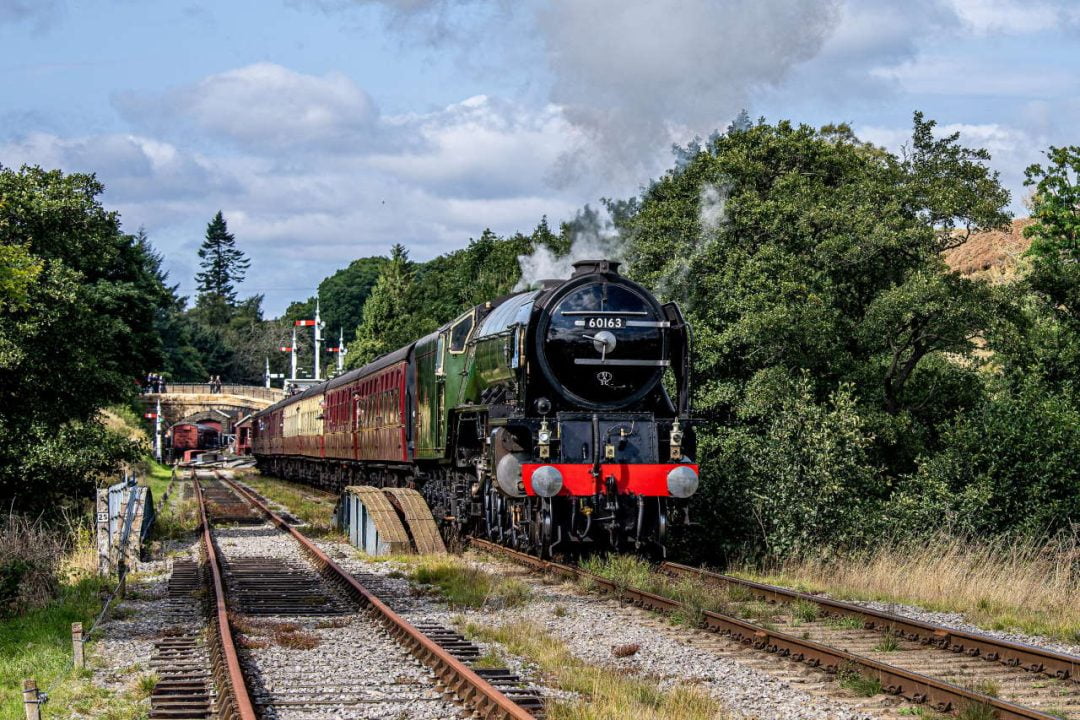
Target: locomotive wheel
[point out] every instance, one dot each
(541, 531)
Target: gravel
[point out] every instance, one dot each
(123, 644)
(355, 671)
(592, 626)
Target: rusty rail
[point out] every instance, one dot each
(233, 699)
(1033, 659)
(456, 676)
(943, 696)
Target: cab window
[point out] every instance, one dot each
(439, 354)
(459, 333)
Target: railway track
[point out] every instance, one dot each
(279, 588)
(949, 671)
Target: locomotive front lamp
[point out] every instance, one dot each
(682, 482)
(547, 481)
(676, 440)
(543, 439)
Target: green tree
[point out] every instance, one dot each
(223, 267)
(386, 323)
(803, 253)
(1053, 343)
(342, 296)
(1009, 465)
(77, 338)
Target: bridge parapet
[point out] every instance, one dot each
(182, 400)
(252, 391)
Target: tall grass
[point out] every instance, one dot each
(1002, 584)
(628, 571)
(315, 507)
(62, 588)
(465, 586)
(30, 554)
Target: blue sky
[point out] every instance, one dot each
(327, 130)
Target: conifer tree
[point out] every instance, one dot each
(386, 323)
(223, 267)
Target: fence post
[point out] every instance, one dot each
(77, 645)
(102, 518)
(30, 700)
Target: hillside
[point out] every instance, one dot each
(993, 254)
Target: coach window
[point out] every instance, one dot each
(459, 334)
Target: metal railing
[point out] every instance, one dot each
(253, 391)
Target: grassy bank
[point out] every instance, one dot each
(157, 478)
(36, 644)
(314, 507)
(600, 694)
(1001, 585)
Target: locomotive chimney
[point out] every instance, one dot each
(586, 267)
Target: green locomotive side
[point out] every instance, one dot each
(457, 364)
(429, 435)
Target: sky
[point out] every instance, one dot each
(328, 130)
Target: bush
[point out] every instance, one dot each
(1008, 466)
(29, 563)
(810, 480)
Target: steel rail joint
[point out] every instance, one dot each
(897, 681)
(453, 673)
(240, 700)
(1011, 654)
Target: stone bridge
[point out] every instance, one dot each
(192, 402)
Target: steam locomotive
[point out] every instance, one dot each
(549, 420)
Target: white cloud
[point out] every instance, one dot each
(1014, 17)
(302, 197)
(480, 147)
(265, 106)
(869, 34)
(967, 75)
(136, 167)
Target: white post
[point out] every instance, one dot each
(157, 430)
(293, 353)
(340, 350)
(267, 377)
(103, 538)
(318, 337)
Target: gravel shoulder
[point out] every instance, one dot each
(122, 646)
(591, 626)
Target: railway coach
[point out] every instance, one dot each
(545, 420)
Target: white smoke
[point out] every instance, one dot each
(592, 243)
(712, 216)
(637, 76)
(712, 207)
